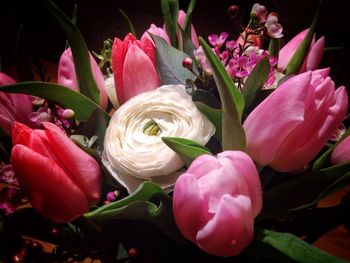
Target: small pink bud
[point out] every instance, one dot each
(233, 11)
(111, 196)
(187, 63)
(68, 114)
(132, 253)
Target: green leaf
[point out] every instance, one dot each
(169, 63)
(127, 19)
(324, 157)
(187, 149)
(274, 46)
(214, 115)
(87, 84)
(188, 19)
(96, 125)
(144, 192)
(299, 56)
(186, 45)
(67, 98)
(294, 247)
(169, 20)
(254, 82)
(149, 203)
(233, 136)
(311, 187)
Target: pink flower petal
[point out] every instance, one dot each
(32, 171)
(139, 74)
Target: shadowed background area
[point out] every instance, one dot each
(100, 20)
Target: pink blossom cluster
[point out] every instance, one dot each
(239, 59)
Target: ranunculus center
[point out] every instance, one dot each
(152, 128)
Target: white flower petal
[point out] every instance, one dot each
(134, 156)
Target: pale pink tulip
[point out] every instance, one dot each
(134, 67)
(13, 107)
(60, 180)
(157, 31)
(181, 21)
(341, 153)
(67, 77)
(216, 200)
(312, 59)
(291, 126)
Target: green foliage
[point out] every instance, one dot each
(87, 84)
(67, 98)
(233, 136)
(148, 203)
(298, 58)
(295, 248)
(169, 63)
(254, 82)
(170, 9)
(311, 188)
(187, 149)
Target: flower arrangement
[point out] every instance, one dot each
(184, 150)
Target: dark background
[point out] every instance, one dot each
(98, 20)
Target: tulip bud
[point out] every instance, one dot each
(187, 63)
(233, 11)
(216, 200)
(341, 153)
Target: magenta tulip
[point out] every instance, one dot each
(67, 77)
(60, 180)
(13, 107)
(341, 153)
(134, 67)
(291, 126)
(181, 21)
(312, 59)
(157, 31)
(216, 200)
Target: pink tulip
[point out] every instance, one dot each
(67, 77)
(341, 153)
(134, 67)
(216, 200)
(312, 59)
(291, 126)
(157, 31)
(181, 21)
(60, 180)
(13, 107)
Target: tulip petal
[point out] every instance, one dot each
(230, 230)
(265, 126)
(315, 55)
(190, 209)
(6, 80)
(67, 77)
(79, 166)
(203, 164)
(245, 168)
(288, 50)
(309, 138)
(118, 56)
(66, 71)
(341, 153)
(139, 74)
(45, 182)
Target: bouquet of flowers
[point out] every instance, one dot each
(175, 148)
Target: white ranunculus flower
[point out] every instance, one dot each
(133, 148)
